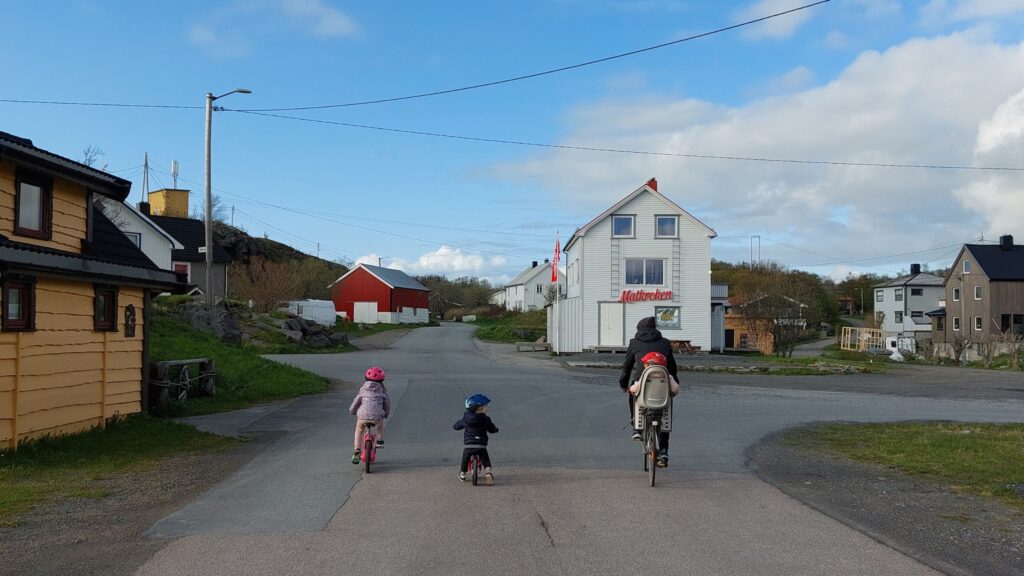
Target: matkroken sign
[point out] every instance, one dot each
(644, 295)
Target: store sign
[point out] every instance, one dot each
(644, 295)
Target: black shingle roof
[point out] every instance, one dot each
(22, 150)
(999, 264)
(110, 244)
(192, 234)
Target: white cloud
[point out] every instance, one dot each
(319, 17)
(221, 44)
(774, 28)
(948, 100)
(444, 260)
(796, 79)
(939, 11)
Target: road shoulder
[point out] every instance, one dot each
(955, 533)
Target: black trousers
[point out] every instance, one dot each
(468, 453)
(662, 436)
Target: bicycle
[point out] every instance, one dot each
(369, 453)
(651, 440)
(476, 466)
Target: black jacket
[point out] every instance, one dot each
(476, 426)
(644, 342)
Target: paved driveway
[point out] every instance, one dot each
(571, 497)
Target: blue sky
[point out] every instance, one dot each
(869, 81)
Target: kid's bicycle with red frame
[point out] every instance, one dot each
(369, 453)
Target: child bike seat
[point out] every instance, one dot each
(655, 388)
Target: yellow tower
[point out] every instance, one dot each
(169, 202)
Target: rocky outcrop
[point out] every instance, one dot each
(217, 320)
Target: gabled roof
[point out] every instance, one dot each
(146, 220)
(109, 243)
(393, 278)
(919, 279)
(579, 233)
(191, 234)
(24, 152)
(530, 273)
(997, 263)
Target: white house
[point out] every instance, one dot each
(903, 302)
(497, 298)
(644, 256)
(528, 290)
(153, 240)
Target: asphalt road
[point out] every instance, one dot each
(570, 497)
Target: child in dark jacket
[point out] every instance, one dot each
(476, 425)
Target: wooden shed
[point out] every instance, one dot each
(75, 291)
(372, 294)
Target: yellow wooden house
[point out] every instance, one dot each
(74, 300)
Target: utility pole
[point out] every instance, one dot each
(232, 215)
(317, 249)
(145, 176)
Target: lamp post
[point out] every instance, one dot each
(209, 190)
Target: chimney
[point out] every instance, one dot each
(534, 264)
(915, 268)
(547, 261)
(144, 208)
(169, 202)
(653, 183)
(1006, 242)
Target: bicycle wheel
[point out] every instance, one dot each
(475, 463)
(646, 440)
(652, 452)
(367, 447)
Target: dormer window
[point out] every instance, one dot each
(622, 226)
(666, 226)
(33, 202)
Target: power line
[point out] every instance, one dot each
(635, 152)
(874, 257)
(538, 74)
(99, 104)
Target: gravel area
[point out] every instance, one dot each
(955, 533)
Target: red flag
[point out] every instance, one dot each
(554, 261)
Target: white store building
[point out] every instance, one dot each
(644, 256)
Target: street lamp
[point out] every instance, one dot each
(209, 194)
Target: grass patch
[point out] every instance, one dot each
(982, 459)
(512, 327)
(243, 377)
(73, 466)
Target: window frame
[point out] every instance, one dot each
(879, 295)
(977, 292)
(134, 238)
(45, 185)
(916, 292)
(898, 295)
(897, 317)
(632, 225)
(675, 227)
(956, 323)
(967, 267)
(27, 323)
(977, 324)
(643, 268)
(109, 324)
(956, 294)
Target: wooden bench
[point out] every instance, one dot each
(539, 345)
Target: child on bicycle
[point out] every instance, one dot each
(476, 425)
(370, 406)
(654, 359)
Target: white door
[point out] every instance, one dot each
(365, 312)
(610, 316)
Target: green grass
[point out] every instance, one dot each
(512, 327)
(73, 466)
(982, 459)
(243, 377)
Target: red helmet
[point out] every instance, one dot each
(375, 373)
(654, 358)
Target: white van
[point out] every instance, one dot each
(319, 311)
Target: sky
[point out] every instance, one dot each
(416, 184)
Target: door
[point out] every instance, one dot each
(365, 312)
(730, 338)
(610, 318)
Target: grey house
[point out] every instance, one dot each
(190, 260)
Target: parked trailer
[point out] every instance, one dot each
(319, 311)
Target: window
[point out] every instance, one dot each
(879, 297)
(33, 199)
(956, 323)
(898, 317)
(666, 226)
(540, 288)
(916, 314)
(182, 268)
(977, 323)
(19, 306)
(967, 266)
(622, 226)
(956, 294)
(917, 291)
(105, 309)
(977, 292)
(942, 324)
(645, 271)
(899, 294)
(135, 238)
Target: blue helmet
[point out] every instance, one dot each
(476, 400)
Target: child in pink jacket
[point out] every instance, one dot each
(371, 404)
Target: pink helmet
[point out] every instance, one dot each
(375, 373)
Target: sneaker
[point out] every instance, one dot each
(489, 479)
(355, 456)
(379, 443)
(462, 476)
(662, 459)
(637, 435)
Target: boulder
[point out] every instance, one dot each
(339, 338)
(292, 335)
(218, 320)
(319, 340)
(293, 324)
(314, 328)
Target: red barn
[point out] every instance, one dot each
(372, 294)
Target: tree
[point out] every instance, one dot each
(264, 282)
(91, 155)
(782, 305)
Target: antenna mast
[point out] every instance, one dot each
(174, 173)
(145, 177)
